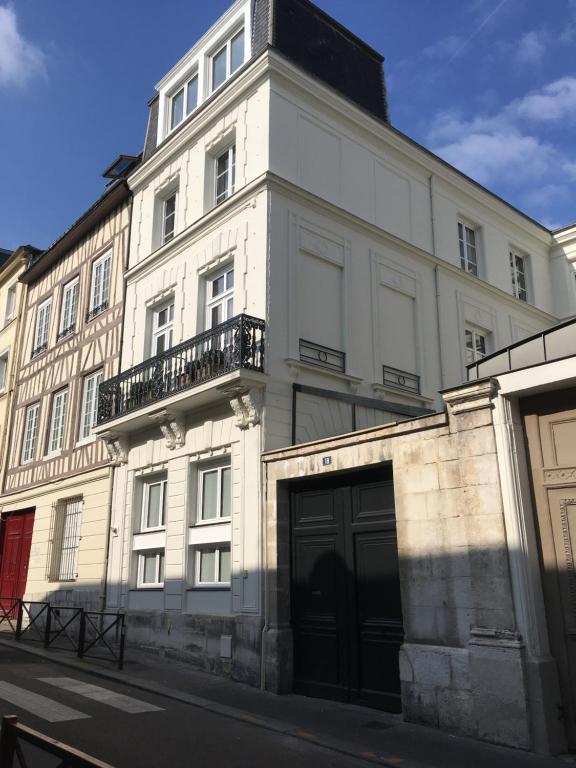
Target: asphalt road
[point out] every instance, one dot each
(144, 729)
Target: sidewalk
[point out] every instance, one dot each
(375, 736)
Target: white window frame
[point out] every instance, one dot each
(11, 296)
(30, 434)
(158, 584)
(97, 375)
(475, 334)
(4, 360)
(163, 483)
(229, 174)
(222, 299)
(216, 548)
(169, 235)
(69, 307)
(42, 330)
(521, 294)
(166, 330)
(219, 469)
(100, 294)
(57, 429)
(226, 45)
(464, 244)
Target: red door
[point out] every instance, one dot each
(16, 538)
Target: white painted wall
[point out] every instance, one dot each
(342, 232)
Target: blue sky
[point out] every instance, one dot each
(490, 85)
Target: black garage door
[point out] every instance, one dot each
(346, 611)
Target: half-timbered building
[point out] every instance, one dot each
(58, 479)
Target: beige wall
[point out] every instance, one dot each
(94, 489)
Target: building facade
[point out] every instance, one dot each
(57, 483)
(297, 269)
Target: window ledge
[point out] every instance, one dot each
(299, 365)
(85, 441)
(155, 588)
(382, 389)
(210, 588)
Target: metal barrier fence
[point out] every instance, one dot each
(14, 736)
(94, 634)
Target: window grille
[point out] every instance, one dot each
(65, 540)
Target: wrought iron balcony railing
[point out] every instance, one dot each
(238, 343)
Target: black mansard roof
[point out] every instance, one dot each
(314, 41)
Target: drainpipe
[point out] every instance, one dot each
(264, 493)
(436, 279)
(109, 534)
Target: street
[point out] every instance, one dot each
(217, 722)
(142, 730)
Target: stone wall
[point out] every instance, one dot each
(462, 662)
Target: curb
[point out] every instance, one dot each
(270, 724)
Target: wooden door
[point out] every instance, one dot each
(346, 611)
(16, 540)
(552, 448)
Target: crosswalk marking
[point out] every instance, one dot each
(47, 709)
(101, 695)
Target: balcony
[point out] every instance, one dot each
(231, 347)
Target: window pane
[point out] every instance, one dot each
(177, 108)
(192, 95)
(161, 567)
(216, 316)
(225, 565)
(154, 512)
(480, 345)
(207, 562)
(218, 286)
(149, 569)
(229, 309)
(237, 56)
(209, 495)
(219, 68)
(230, 279)
(226, 493)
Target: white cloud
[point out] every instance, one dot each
(488, 155)
(530, 49)
(19, 59)
(555, 101)
(505, 146)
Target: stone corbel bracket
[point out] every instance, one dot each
(116, 446)
(171, 426)
(247, 407)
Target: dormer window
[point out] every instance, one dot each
(227, 59)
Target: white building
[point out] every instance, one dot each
(311, 270)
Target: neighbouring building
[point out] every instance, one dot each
(565, 244)
(12, 294)
(298, 268)
(57, 481)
